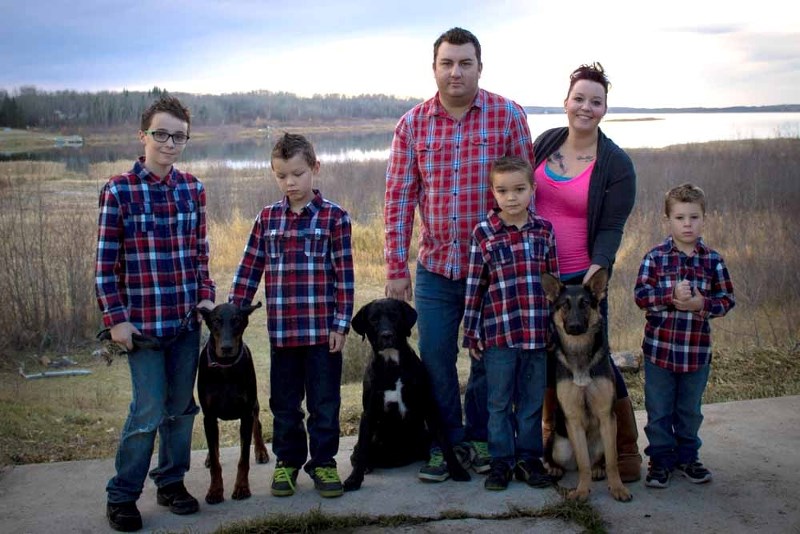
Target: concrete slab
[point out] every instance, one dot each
(751, 447)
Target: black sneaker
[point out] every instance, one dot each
(499, 476)
(480, 458)
(532, 472)
(695, 472)
(177, 498)
(657, 477)
(326, 481)
(284, 480)
(124, 516)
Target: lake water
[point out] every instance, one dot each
(628, 130)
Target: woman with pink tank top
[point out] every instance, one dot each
(586, 187)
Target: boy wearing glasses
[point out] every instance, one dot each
(151, 274)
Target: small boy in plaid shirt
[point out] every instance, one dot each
(301, 245)
(506, 321)
(682, 283)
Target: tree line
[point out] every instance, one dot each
(32, 107)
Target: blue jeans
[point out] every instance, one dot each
(162, 401)
(516, 381)
(440, 308)
(673, 404)
(315, 373)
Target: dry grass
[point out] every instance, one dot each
(47, 235)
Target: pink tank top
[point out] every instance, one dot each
(566, 205)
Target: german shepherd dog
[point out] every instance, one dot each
(585, 427)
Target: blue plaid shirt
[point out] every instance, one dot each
(680, 341)
(505, 303)
(307, 264)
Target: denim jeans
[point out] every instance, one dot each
(672, 401)
(162, 401)
(440, 308)
(516, 381)
(315, 373)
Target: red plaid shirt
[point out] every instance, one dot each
(307, 263)
(152, 253)
(442, 165)
(505, 304)
(680, 341)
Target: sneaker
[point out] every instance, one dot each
(177, 498)
(657, 477)
(284, 480)
(436, 468)
(479, 456)
(326, 481)
(499, 476)
(532, 472)
(695, 472)
(124, 516)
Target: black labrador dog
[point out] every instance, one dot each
(226, 384)
(400, 415)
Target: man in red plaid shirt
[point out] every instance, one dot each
(439, 161)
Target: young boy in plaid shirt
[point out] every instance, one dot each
(506, 322)
(682, 283)
(301, 245)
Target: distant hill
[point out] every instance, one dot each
(784, 108)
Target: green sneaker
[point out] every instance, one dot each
(479, 454)
(326, 481)
(284, 480)
(436, 468)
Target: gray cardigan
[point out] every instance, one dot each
(612, 192)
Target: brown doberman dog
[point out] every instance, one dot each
(226, 384)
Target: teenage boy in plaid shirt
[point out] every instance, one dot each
(151, 273)
(439, 161)
(301, 245)
(682, 283)
(506, 322)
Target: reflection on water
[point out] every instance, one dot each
(627, 129)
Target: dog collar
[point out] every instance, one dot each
(217, 365)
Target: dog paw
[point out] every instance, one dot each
(353, 483)
(621, 493)
(598, 472)
(240, 493)
(214, 497)
(262, 457)
(578, 494)
(460, 475)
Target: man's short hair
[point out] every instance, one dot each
(289, 145)
(166, 104)
(511, 164)
(458, 36)
(688, 193)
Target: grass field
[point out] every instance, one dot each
(47, 233)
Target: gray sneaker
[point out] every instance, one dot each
(480, 457)
(436, 468)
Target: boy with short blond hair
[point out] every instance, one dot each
(301, 246)
(506, 321)
(681, 285)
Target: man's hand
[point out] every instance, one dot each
(205, 303)
(336, 342)
(593, 268)
(399, 288)
(477, 354)
(121, 334)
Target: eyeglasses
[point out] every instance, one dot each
(179, 138)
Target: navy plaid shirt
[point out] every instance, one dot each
(505, 303)
(152, 253)
(680, 341)
(307, 263)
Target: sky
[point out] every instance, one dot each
(682, 53)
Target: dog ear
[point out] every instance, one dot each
(598, 283)
(552, 286)
(409, 317)
(205, 312)
(359, 324)
(247, 310)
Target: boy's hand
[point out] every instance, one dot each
(121, 334)
(336, 342)
(682, 292)
(477, 354)
(694, 303)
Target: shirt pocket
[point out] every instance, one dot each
(488, 146)
(429, 155)
(316, 242)
(186, 216)
(273, 244)
(139, 218)
(536, 248)
(499, 252)
(668, 276)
